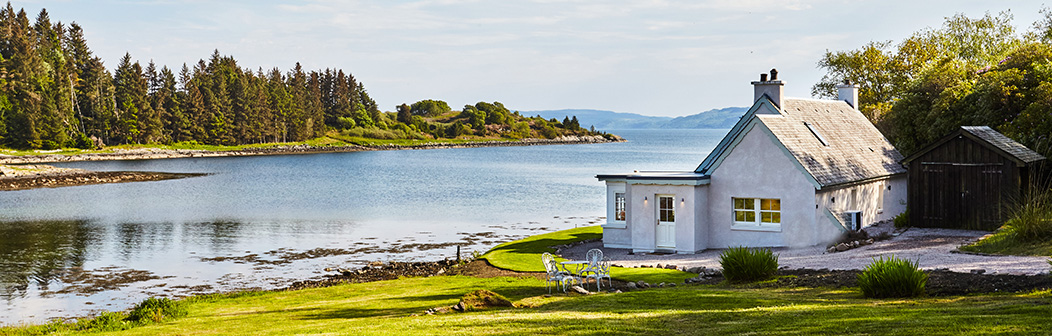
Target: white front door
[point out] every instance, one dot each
(666, 224)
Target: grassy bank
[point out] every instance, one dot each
(525, 256)
(331, 139)
(388, 307)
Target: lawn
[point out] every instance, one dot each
(525, 256)
(387, 307)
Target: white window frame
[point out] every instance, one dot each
(757, 212)
(880, 196)
(620, 207)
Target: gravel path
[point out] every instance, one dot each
(932, 247)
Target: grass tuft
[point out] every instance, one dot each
(741, 264)
(157, 310)
(892, 278)
(1032, 219)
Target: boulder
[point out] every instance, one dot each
(842, 247)
(579, 290)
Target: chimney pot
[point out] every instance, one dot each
(771, 87)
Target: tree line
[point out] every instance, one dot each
(969, 71)
(54, 93)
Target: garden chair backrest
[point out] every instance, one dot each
(549, 263)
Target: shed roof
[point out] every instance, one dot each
(832, 141)
(989, 137)
(1004, 143)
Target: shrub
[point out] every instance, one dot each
(892, 277)
(902, 220)
(741, 264)
(1032, 219)
(157, 310)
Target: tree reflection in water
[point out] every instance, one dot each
(37, 252)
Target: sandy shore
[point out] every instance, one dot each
(157, 153)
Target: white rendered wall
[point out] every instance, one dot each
(865, 197)
(616, 233)
(758, 168)
(642, 216)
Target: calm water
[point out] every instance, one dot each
(267, 221)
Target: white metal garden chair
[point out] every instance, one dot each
(594, 257)
(602, 271)
(551, 267)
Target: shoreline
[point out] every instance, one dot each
(158, 153)
(44, 176)
(28, 172)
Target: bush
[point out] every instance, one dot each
(157, 310)
(1032, 219)
(902, 220)
(741, 264)
(892, 277)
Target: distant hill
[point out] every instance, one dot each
(716, 118)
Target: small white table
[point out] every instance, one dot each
(578, 266)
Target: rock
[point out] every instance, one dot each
(632, 285)
(672, 267)
(672, 284)
(842, 247)
(978, 271)
(869, 241)
(659, 266)
(831, 249)
(579, 290)
(547, 295)
(616, 291)
(661, 285)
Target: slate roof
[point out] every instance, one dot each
(1009, 146)
(853, 149)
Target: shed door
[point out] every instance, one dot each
(959, 195)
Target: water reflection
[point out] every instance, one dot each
(37, 252)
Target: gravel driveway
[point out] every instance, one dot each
(931, 247)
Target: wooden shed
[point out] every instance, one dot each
(964, 180)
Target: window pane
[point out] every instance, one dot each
(750, 216)
(744, 203)
(765, 204)
(765, 217)
(777, 217)
(776, 204)
(739, 216)
(619, 206)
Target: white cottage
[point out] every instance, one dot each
(791, 172)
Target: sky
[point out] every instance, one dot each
(652, 57)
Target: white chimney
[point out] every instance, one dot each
(773, 88)
(848, 92)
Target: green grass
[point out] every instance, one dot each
(385, 308)
(1005, 242)
(525, 256)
